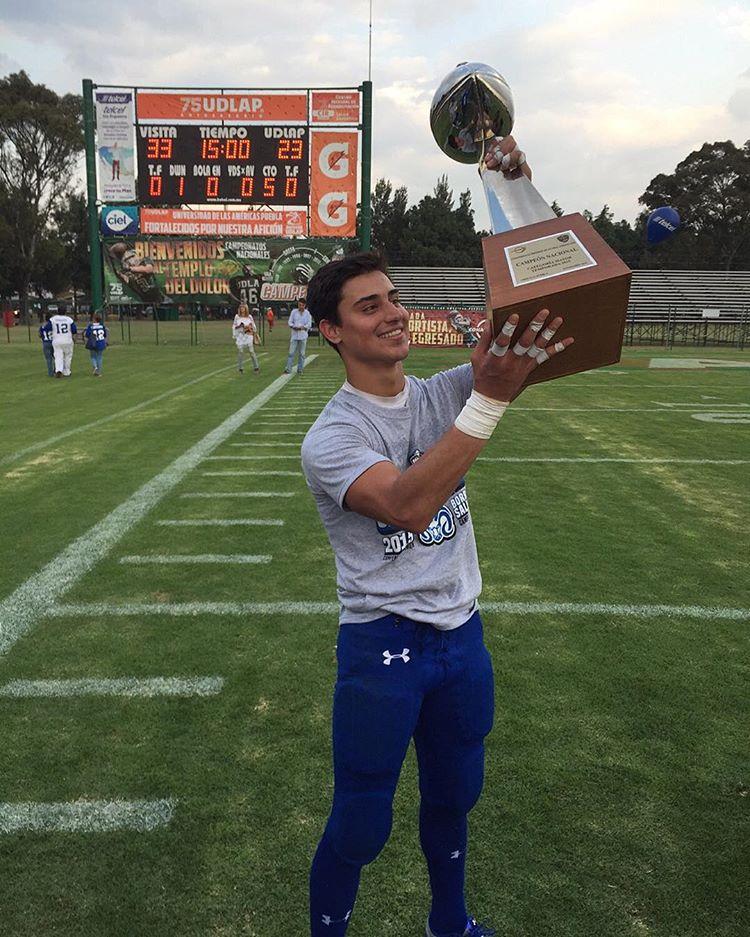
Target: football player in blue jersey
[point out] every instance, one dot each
(95, 335)
(45, 333)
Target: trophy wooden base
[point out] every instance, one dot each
(563, 265)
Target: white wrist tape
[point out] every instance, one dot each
(480, 415)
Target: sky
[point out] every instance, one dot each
(607, 94)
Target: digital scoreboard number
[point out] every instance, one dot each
(252, 165)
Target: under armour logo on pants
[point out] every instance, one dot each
(388, 657)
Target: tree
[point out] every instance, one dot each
(618, 234)
(71, 227)
(440, 235)
(710, 189)
(389, 221)
(41, 134)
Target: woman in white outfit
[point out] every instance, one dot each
(245, 330)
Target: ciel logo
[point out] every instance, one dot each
(117, 220)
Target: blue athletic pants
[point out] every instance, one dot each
(399, 679)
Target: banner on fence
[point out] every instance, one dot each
(444, 328)
(216, 223)
(212, 272)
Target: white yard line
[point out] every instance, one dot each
(283, 432)
(239, 494)
(115, 686)
(106, 419)
(165, 559)
(630, 461)
(224, 522)
(667, 411)
(22, 608)
(177, 609)
(251, 472)
(86, 816)
(273, 442)
(251, 458)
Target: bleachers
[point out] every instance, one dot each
(666, 306)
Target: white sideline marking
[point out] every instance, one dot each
(86, 816)
(666, 410)
(247, 445)
(696, 363)
(26, 604)
(225, 522)
(169, 558)
(634, 461)
(251, 458)
(712, 406)
(718, 417)
(252, 472)
(331, 608)
(239, 494)
(118, 686)
(282, 423)
(105, 419)
(283, 432)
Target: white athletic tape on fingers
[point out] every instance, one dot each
(547, 334)
(509, 328)
(498, 350)
(534, 351)
(520, 350)
(535, 326)
(559, 346)
(542, 356)
(480, 415)
(521, 158)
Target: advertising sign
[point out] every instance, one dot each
(215, 223)
(446, 328)
(334, 107)
(333, 183)
(119, 220)
(212, 272)
(115, 159)
(237, 106)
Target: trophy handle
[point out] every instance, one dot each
(512, 200)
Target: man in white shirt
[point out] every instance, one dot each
(300, 322)
(63, 330)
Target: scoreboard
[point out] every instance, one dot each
(244, 164)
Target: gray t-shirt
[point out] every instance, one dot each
(432, 577)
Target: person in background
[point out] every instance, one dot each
(245, 330)
(300, 323)
(96, 341)
(45, 333)
(63, 330)
(269, 318)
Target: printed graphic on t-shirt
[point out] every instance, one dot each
(452, 515)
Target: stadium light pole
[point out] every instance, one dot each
(95, 252)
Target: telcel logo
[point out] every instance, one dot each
(117, 220)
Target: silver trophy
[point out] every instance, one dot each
(472, 106)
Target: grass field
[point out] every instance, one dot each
(611, 512)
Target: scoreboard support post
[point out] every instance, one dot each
(366, 209)
(95, 250)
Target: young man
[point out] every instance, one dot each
(300, 323)
(63, 330)
(385, 462)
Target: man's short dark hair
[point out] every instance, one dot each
(324, 289)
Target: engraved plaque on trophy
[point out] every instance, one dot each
(533, 259)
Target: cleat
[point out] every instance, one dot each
(473, 929)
